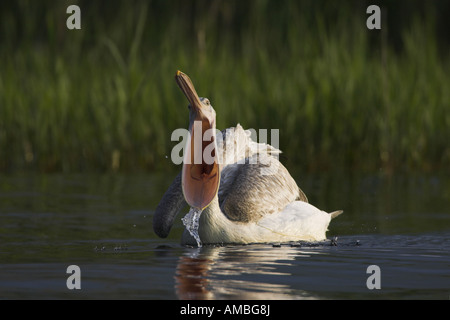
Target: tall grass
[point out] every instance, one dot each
(104, 97)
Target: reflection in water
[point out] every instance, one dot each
(214, 273)
(191, 277)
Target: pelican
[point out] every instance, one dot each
(247, 197)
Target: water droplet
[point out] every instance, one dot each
(191, 222)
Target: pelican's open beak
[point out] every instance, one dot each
(200, 177)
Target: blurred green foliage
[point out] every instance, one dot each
(103, 98)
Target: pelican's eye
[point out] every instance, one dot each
(206, 101)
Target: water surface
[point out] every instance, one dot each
(103, 224)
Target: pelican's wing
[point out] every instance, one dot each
(170, 205)
(256, 188)
(235, 146)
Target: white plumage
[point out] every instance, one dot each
(297, 221)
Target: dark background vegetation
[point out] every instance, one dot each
(103, 98)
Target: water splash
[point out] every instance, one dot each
(191, 222)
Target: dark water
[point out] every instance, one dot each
(103, 224)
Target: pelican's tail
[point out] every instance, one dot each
(334, 214)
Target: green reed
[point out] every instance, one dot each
(104, 97)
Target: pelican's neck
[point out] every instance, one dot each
(214, 224)
(213, 211)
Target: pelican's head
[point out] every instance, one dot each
(201, 175)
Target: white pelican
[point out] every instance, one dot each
(248, 198)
